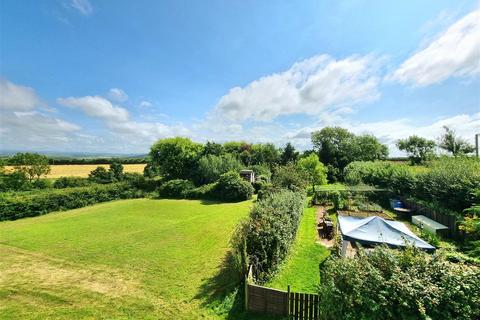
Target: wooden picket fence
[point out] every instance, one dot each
(294, 305)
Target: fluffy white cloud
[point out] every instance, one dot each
(34, 130)
(117, 95)
(82, 6)
(455, 53)
(308, 87)
(96, 106)
(17, 97)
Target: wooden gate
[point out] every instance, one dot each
(303, 306)
(294, 305)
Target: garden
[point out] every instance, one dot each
(158, 237)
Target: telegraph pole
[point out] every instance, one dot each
(477, 144)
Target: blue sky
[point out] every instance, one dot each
(114, 76)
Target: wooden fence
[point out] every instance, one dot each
(294, 305)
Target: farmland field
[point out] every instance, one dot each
(129, 259)
(82, 170)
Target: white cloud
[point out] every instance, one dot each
(117, 95)
(82, 6)
(96, 106)
(34, 130)
(17, 97)
(455, 53)
(308, 87)
(145, 104)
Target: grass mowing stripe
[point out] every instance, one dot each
(129, 259)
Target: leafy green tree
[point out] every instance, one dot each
(231, 187)
(289, 154)
(368, 148)
(265, 153)
(211, 167)
(316, 171)
(337, 147)
(175, 158)
(32, 164)
(290, 176)
(453, 144)
(419, 149)
(101, 175)
(116, 170)
(213, 148)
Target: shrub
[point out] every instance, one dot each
(202, 192)
(266, 237)
(19, 205)
(69, 182)
(141, 182)
(232, 187)
(42, 184)
(16, 181)
(101, 175)
(290, 176)
(398, 284)
(176, 188)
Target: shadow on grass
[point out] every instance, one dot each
(224, 293)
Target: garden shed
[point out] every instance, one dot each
(248, 175)
(376, 230)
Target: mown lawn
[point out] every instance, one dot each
(129, 259)
(301, 270)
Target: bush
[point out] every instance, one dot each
(42, 184)
(176, 188)
(398, 284)
(19, 205)
(15, 181)
(141, 182)
(232, 187)
(202, 192)
(266, 237)
(101, 175)
(69, 182)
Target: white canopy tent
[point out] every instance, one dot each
(376, 230)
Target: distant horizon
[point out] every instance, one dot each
(113, 77)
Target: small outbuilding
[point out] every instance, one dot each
(376, 230)
(248, 175)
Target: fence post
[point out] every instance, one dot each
(288, 301)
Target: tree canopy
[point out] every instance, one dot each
(33, 165)
(453, 144)
(419, 149)
(337, 147)
(316, 171)
(175, 157)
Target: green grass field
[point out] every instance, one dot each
(301, 271)
(129, 259)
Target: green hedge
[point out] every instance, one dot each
(229, 187)
(398, 284)
(265, 238)
(19, 205)
(176, 188)
(448, 181)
